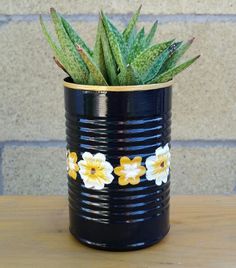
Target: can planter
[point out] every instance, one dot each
(118, 140)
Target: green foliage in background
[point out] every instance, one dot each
(127, 58)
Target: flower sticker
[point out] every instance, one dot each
(158, 165)
(71, 163)
(129, 170)
(95, 171)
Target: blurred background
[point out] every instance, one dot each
(32, 133)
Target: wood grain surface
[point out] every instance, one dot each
(34, 233)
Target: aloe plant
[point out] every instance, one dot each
(118, 58)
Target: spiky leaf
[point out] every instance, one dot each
(74, 37)
(157, 64)
(145, 60)
(129, 77)
(168, 75)
(138, 46)
(98, 53)
(118, 58)
(129, 30)
(178, 53)
(110, 62)
(116, 42)
(151, 34)
(59, 54)
(93, 68)
(131, 39)
(173, 48)
(57, 51)
(76, 64)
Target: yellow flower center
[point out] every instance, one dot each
(95, 171)
(161, 164)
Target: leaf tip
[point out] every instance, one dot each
(102, 13)
(52, 10)
(191, 40)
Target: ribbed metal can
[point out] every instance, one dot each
(118, 125)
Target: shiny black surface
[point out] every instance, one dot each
(118, 124)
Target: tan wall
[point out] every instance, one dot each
(31, 103)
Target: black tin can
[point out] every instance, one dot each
(118, 164)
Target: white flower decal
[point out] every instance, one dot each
(158, 165)
(95, 171)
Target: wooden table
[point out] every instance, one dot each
(34, 233)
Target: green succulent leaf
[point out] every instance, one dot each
(77, 66)
(146, 59)
(131, 39)
(172, 49)
(151, 34)
(138, 46)
(178, 53)
(130, 29)
(74, 37)
(129, 77)
(57, 51)
(59, 55)
(93, 68)
(169, 74)
(98, 53)
(116, 42)
(157, 64)
(109, 59)
(126, 58)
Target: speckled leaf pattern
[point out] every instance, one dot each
(98, 53)
(59, 55)
(57, 51)
(74, 37)
(178, 53)
(168, 75)
(172, 50)
(157, 64)
(138, 46)
(129, 77)
(116, 42)
(99, 58)
(145, 60)
(131, 41)
(129, 30)
(80, 72)
(110, 62)
(93, 68)
(117, 58)
(174, 47)
(151, 34)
